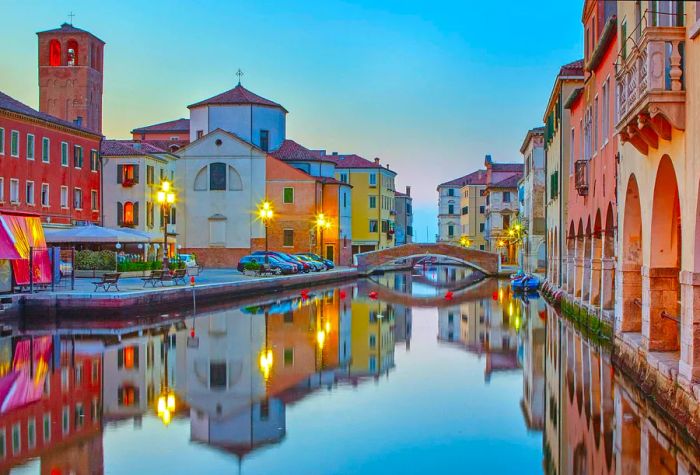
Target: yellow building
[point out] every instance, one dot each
(373, 212)
(372, 339)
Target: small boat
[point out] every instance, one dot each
(525, 283)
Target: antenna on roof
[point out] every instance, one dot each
(239, 73)
(71, 15)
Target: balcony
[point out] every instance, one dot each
(650, 83)
(581, 177)
(128, 182)
(502, 207)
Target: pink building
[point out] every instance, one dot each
(592, 205)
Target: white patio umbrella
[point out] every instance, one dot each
(94, 234)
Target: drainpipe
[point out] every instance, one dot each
(560, 180)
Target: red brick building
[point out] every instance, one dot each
(49, 159)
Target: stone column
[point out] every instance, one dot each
(629, 313)
(596, 275)
(586, 283)
(660, 292)
(607, 283)
(570, 273)
(578, 281)
(689, 366)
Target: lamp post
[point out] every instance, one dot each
(265, 214)
(166, 198)
(322, 223)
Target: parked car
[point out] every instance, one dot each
(316, 266)
(329, 263)
(301, 266)
(277, 266)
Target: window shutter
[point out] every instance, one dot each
(120, 394)
(136, 213)
(120, 173)
(136, 364)
(137, 395)
(120, 360)
(120, 213)
(173, 215)
(136, 173)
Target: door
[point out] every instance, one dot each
(330, 252)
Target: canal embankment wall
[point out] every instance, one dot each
(153, 300)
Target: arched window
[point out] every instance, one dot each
(200, 181)
(218, 176)
(54, 53)
(72, 53)
(234, 180)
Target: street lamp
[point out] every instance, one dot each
(464, 241)
(265, 214)
(165, 197)
(322, 223)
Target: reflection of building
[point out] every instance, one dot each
(133, 374)
(532, 201)
(372, 337)
(533, 335)
(404, 217)
(67, 415)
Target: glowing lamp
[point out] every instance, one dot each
(165, 186)
(320, 338)
(160, 197)
(170, 198)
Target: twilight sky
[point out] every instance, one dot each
(430, 87)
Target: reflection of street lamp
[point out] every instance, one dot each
(166, 407)
(265, 214)
(265, 360)
(322, 223)
(165, 197)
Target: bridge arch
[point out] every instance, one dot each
(484, 261)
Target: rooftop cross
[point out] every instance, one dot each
(71, 15)
(239, 73)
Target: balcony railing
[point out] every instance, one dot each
(650, 81)
(581, 177)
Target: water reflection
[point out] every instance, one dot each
(262, 385)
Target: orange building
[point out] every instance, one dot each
(170, 135)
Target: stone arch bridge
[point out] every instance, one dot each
(484, 261)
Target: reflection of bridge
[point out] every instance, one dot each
(486, 262)
(481, 290)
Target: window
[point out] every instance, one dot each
(78, 416)
(128, 396)
(373, 225)
(409, 230)
(128, 358)
(45, 149)
(450, 192)
(30, 147)
(2, 189)
(94, 202)
(373, 341)
(77, 198)
(2, 141)
(481, 227)
(372, 179)
(44, 194)
(450, 230)
(506, 196)
(288, 195)
(16, 438)
(47, 427)
(482, 209)
(288, 238)
(595, 125)
(94, 161)
(14, 143)
(65, 419)
(150, 174)
(3, 444)
(465, 210)
(64, 154)
(149, 214)
(77, 156)
(14, 190)
(94, 371)
(29, 195)
(385, 226)
(572, 151)
(64, 197)
(605, 120)
(372, 202)
(200, 134)
(265, 140)
(344, 177)
(128, 175)
(288, 357)
(217, 176)
(623, 38)
(450, 209)
(31, 433)
(65, 379)
(217, 374)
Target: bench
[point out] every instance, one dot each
(179, 276)
(108, 281)
(153, 278)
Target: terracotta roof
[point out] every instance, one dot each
(474, 178)
(398, 194)
(330, 180)
(291, 150)
(13, 105)
(177, 125)
(575, 68)
(353, 161)
(128, 147)
(68, 28)
(510, 182)
(166, 144)
(237, 95)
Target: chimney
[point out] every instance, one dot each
(335, 154)
(387, 166)
(376, 160)
(408, 190)
(78, 121)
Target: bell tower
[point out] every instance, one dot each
(70, 75)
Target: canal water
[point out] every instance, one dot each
(382, 375)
